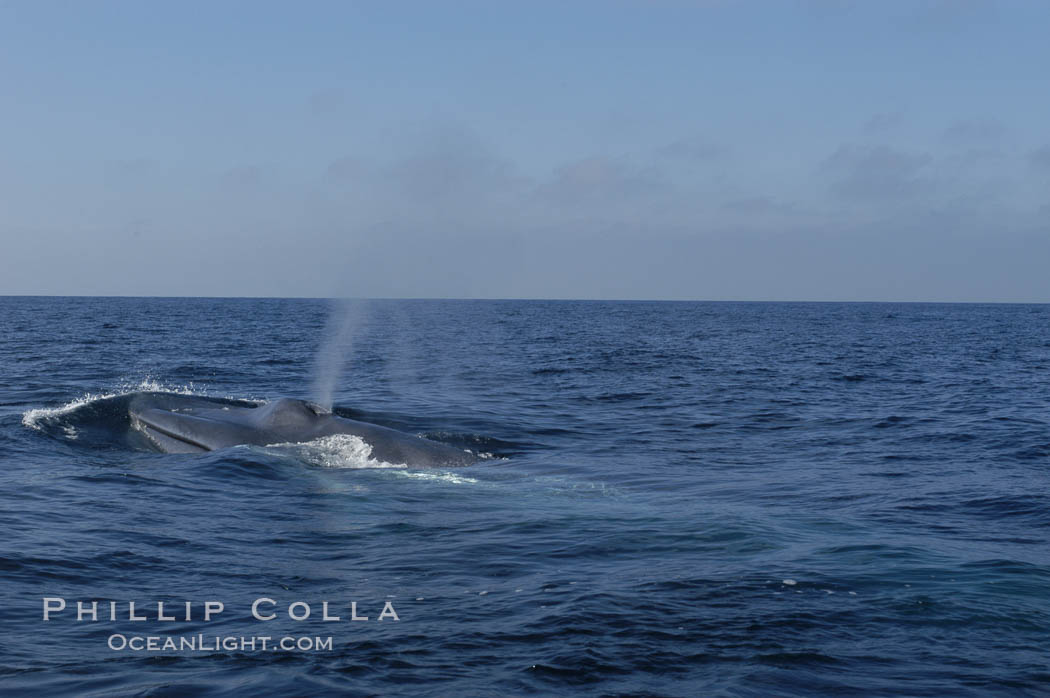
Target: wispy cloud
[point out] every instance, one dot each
(692, 150)
(1040, 158)
(599, 180)
(877, 172)
(882, 124)
(969, 132)
(325, 102)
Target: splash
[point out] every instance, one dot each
(336, 451)
(32, 418)
(345, 320)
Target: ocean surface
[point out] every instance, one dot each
(673, 499)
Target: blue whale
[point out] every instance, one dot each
(175, 423)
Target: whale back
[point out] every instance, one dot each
(189, 424)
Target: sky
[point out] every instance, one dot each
(626, 149)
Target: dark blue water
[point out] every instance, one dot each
(677, 499)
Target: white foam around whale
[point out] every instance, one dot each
(335, 451)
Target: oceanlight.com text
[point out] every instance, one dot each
(218, 643)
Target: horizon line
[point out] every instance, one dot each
(537, 299)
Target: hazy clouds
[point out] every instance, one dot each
(816, 160)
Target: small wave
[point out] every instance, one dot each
(336, 451)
